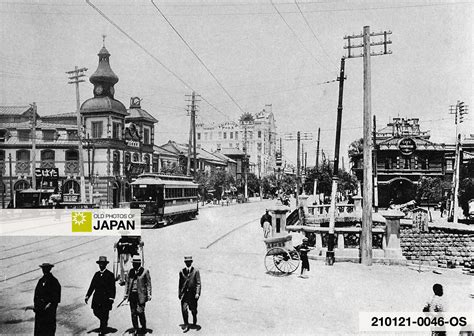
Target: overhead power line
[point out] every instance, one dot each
(198, 58)
(314, 34)
(182, 81)
(296, 35)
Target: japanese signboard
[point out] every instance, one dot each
(407, 146)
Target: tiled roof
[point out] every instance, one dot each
(60, 115)
(161, 151)
(40, 125)
(200, 153)
(223, 157)
(138, 113)
(232, 151)
(13, 110)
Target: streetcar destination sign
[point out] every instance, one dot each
(407, 146)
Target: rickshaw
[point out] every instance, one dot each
(281, 257)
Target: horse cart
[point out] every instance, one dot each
(281, 257)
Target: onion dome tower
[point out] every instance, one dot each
(103, 80)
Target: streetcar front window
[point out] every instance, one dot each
(144, 192)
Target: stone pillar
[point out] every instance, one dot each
(340, 241)
(319, 241)
(393, 249)
(358, 204)
(303, 201)
(278, 214)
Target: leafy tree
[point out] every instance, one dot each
(356, 150)
(253, 183)
(347, 181)
(430, 189)
(220, 180)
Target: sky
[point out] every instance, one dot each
(283, 53)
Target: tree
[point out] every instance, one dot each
(220, 180)
(253, 183)
(346, 182)
(430, 189)
(356, 150)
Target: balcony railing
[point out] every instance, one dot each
(47, 164)
(22, 167)
(71, 167)
(321, 211)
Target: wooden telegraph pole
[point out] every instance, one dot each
(376, 193)
(330, 258)
(366, 233)
(75, 78)
(33, 145)
(192, 135)
(317, 149)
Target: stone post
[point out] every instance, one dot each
(358, 204)
(278, 214)
(304, 202)
(393, 249)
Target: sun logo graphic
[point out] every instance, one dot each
(81, 221)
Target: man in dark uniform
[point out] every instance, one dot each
(47, 297)
(103, 287)
(189, 291)
(303, 250)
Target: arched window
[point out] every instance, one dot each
(147, 163)
(126, 163)
(135, 157)
(47, 158)
(71, 187)
(21, 185)
(72, 162)
(116, 163)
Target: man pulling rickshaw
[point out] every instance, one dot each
(127, 247)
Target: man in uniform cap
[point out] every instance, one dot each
(103, 287)
(138, 292)
(47, 297)
(189, 291)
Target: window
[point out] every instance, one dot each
(71, 187)
(231, 145)
(388, 163)
(225, 135)
(136, 158)
(4, 135)
(116, 130)
(220, 135)
(116, 163)
(24, 135)
(127, 163)
(97, 129)
(23, 155)
(231, 135)
(251, 135)
(199, 136)
(236, 135)
(449, 164)
(146, 136)
(48, 135)
(47, 155)
(407, 163)
(72, 155)
(259, 134)
(147, 163)
(155, 164)
(205, 135)
(424, 163)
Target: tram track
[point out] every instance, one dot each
(229, 232)
(54, 252)
(32, 243)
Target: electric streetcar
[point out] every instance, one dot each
(164, 198)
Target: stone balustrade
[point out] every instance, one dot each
(321, 211)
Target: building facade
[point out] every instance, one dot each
(404, 154)
(253, 134)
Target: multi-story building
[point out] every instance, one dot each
(117, 144)
(405, 155)
(253, 134)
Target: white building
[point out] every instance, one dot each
(254, 133)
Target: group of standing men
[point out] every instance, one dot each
(103, 291)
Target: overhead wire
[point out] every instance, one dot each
(197, 57)
(296, 35)
(182, 81)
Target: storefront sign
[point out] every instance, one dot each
(71, 198)
(407, 146)
(47, 178)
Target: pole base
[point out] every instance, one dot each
(330, 258)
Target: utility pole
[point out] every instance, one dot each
(11, 176)
(246, 163)
(306, 136)
(330, 258)
(317, 149)
(459, 111)
(192, 135)
(376, 193)
(75, 78)
(33, 144)
(366, 233)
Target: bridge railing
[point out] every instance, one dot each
(323, 210)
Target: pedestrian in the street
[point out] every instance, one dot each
(303, 250)
(266, 224)
(442, 207)
(46, 300)
(127, 247)
(103, 288)
(437, 304)
(189, 290)
(138, 293)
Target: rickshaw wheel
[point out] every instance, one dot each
(279, 261)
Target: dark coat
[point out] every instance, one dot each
(143, 279)
(189, 283)
(265, 218)
(48, 290)
(103, 287)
